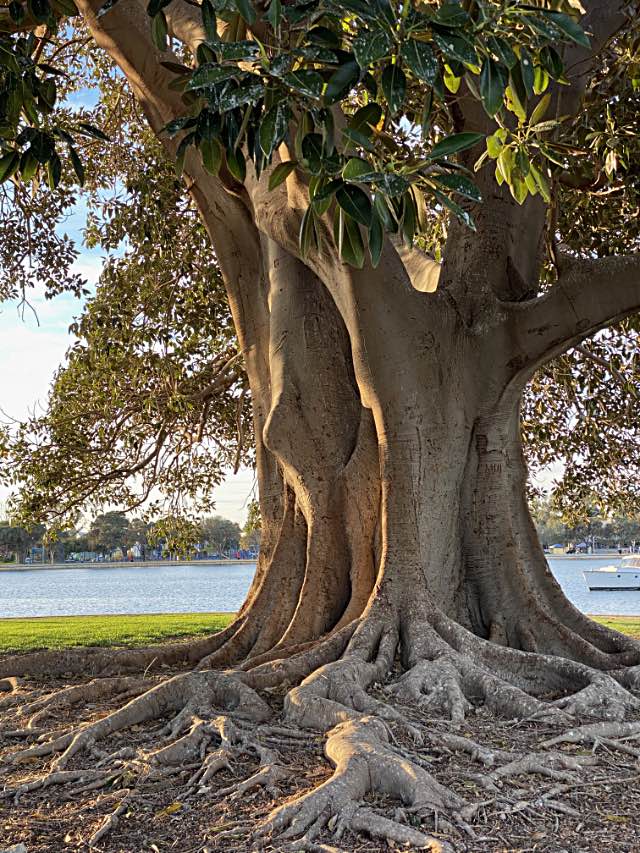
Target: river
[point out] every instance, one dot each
(177, 588)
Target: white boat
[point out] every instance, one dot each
(624, 576)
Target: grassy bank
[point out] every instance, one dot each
(22, 635)
(58, 632)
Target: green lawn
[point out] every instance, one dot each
(58, 632)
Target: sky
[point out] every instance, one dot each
(32, 348)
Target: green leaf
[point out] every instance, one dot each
(356, 203)
(358, 139)
(456, 47)
(9, 164)
(18, 14)
(350, 244)
(211, 153)
(459, 184)
(312, 151)
(458, 211)
(54, 171)
(526, 71)
(155, 6)
(247, 12)
(394, 87)
(370, 46)
(40, 10)
(210, 73)
(572, 30)
(159, 31)
(274, 13)
(421, 60)
(541, 107)
(42, 147)
(308, 236)
(366, 118)
(87, 129)
(503, 51)
(236, 164)
(515, 104)
(355, 167)
(551, 61)
(451, 15)
(76, 162)
(308, 83)
(341, 82)
(541, 182)
(209, 20)
(493, 82)
(376, 239)
(281, 173)
(540, 79)
(453, 144)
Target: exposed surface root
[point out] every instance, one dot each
(358, 751)
(188, 694)
(204, 734)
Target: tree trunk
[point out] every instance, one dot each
(391, 477)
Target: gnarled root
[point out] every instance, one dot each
(358, 750)
(189, 694)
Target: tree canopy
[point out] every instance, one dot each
(396, 163)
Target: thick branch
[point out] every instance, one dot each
(589, 295)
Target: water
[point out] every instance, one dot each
(174, 588)
(568, 572)
(179, 588)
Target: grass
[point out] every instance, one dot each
(58, 632)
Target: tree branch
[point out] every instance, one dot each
(589, 295)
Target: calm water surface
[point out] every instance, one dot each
(176, 588)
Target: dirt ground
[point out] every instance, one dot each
(600, 810)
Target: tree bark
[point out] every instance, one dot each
(390, 469)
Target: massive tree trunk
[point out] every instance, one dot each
(391, 476)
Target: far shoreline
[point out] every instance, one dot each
(121, 564)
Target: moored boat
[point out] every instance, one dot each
(624, 576)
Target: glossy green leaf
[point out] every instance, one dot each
(456, 47)
(246, 10)
(274, 14)
(421, 60)
(159, 31)
(211, 153)
(209, 20)
(312, 152)
(280, 173)
(355, 202)
(366, 118)
(459, 184)
(76, 162)
(394, 87)
(453, 144)
(9, 164)
(571, 29)
(350, 243)
(236, 164)
(376, 239)
(371, 46)
(341, 82)
(308, 237)
(493, 82)
(308, 83)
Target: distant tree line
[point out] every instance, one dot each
(593, 529)
(114, 531)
